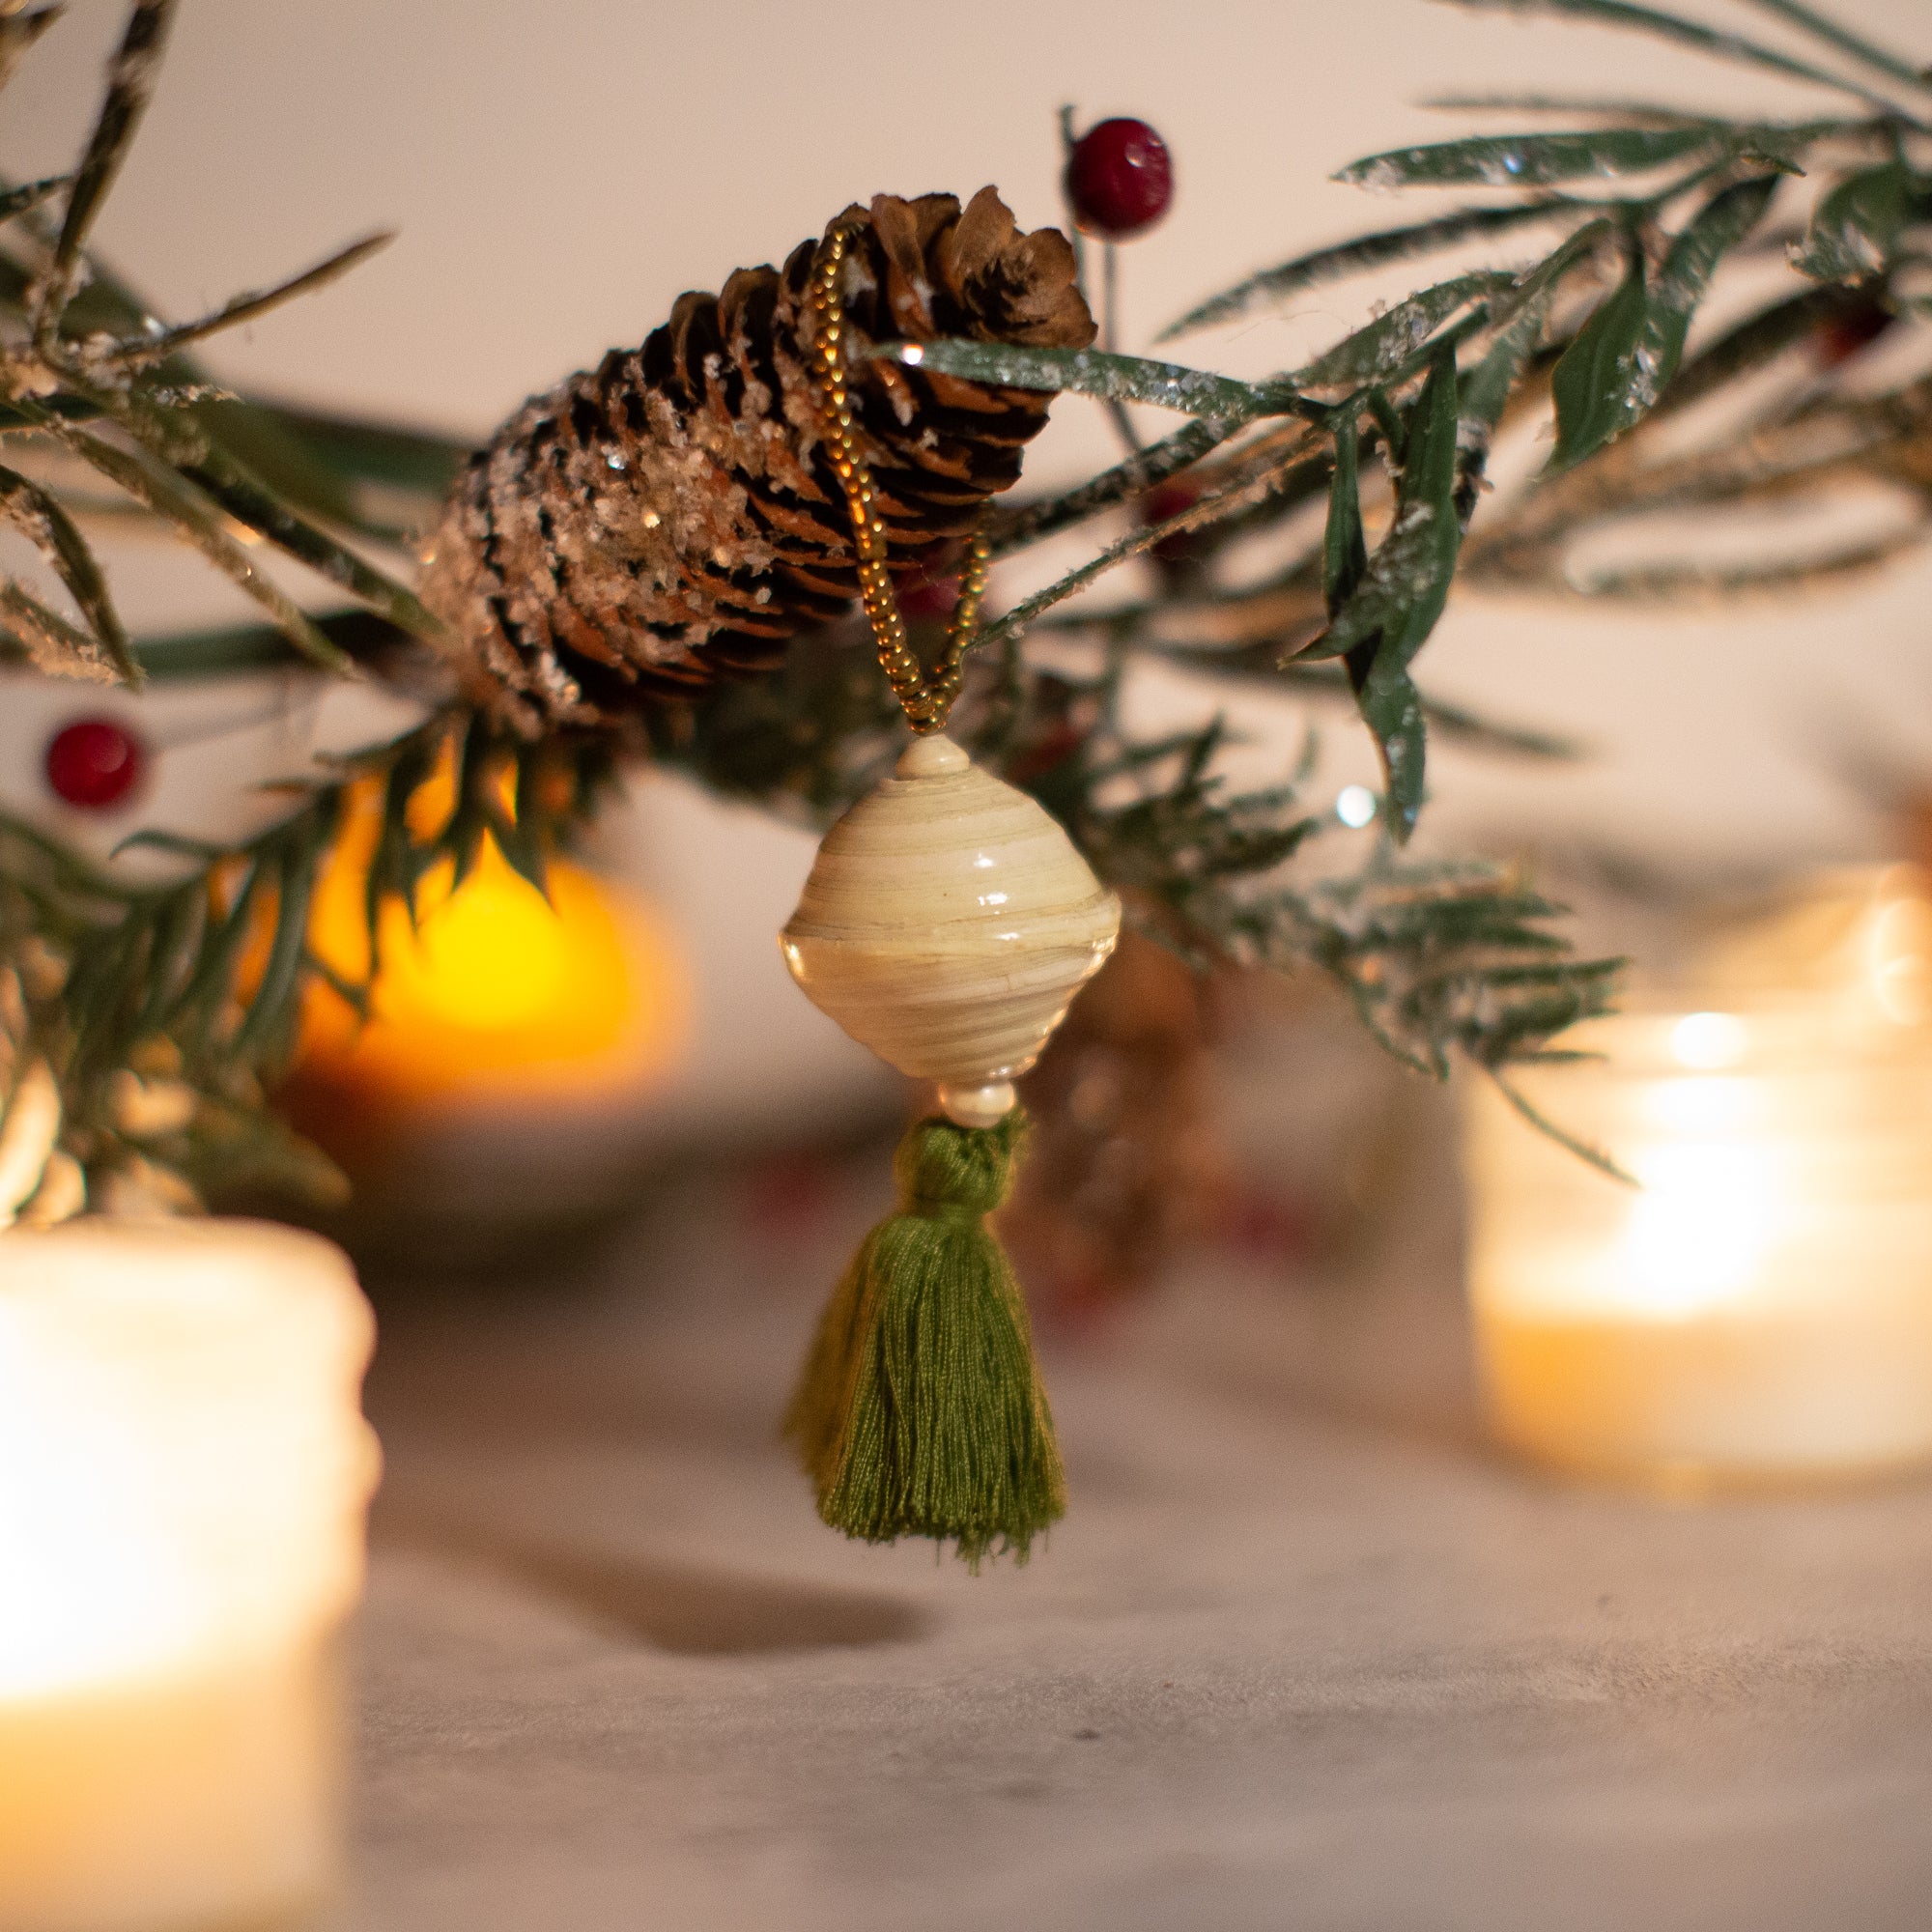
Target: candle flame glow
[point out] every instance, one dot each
(1708, 1041)
(1699, 1232)
(1899, 961)
(181, 1466)
(82, 1544)
(1756, 1307)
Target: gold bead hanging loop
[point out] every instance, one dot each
(926, 701)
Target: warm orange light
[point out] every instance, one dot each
(1759, 1307)
(495, 992)
(183, 1468)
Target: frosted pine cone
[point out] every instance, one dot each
(670, 515)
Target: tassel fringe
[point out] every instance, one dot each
(920, 1411)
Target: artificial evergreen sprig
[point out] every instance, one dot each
(83, 352)
(1621, 287)
(1436, 959)
(199, 978)
(1387, 432)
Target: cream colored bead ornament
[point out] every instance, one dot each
(946, 924)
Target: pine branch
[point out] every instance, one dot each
(246, 307)
(1734, 47)
(1367, 252)
(1835, 35)
(41, 518)
(132, 79)
(1241, 570)
(206, 973)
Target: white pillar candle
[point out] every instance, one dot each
(1760, 1306)
(183, 1473)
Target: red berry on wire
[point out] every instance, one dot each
(1840, 337)
(1119, 179)
(1168, 499)
(928, 591)
(95, 763)
(929, 599)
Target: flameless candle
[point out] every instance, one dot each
(1759, 1306)
(183, 1471)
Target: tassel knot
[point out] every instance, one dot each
(924, 1207)
(966, 1171)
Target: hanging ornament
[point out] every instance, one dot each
(946, 924)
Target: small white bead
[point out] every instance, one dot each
(982, 1106)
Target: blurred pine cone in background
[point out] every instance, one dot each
(1126, 1161)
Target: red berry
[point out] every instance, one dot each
(1119, 178)
(928, 598)
(1168, 499)
(1840, 337)
(95, 763)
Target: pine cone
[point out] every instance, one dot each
(671, 514)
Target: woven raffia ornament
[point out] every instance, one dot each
(675, 513)
(946, 924)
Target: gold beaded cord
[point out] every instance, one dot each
(926, 698)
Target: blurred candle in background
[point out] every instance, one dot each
(515, 1044)
(495, 992)
(183, 1474)
(1759, 1308)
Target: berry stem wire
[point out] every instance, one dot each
(1110, 341)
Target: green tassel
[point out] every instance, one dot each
(920, 1411)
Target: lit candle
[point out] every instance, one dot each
(183, 1471)
(490, 992)
(1759, 1307)
(496, 994)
